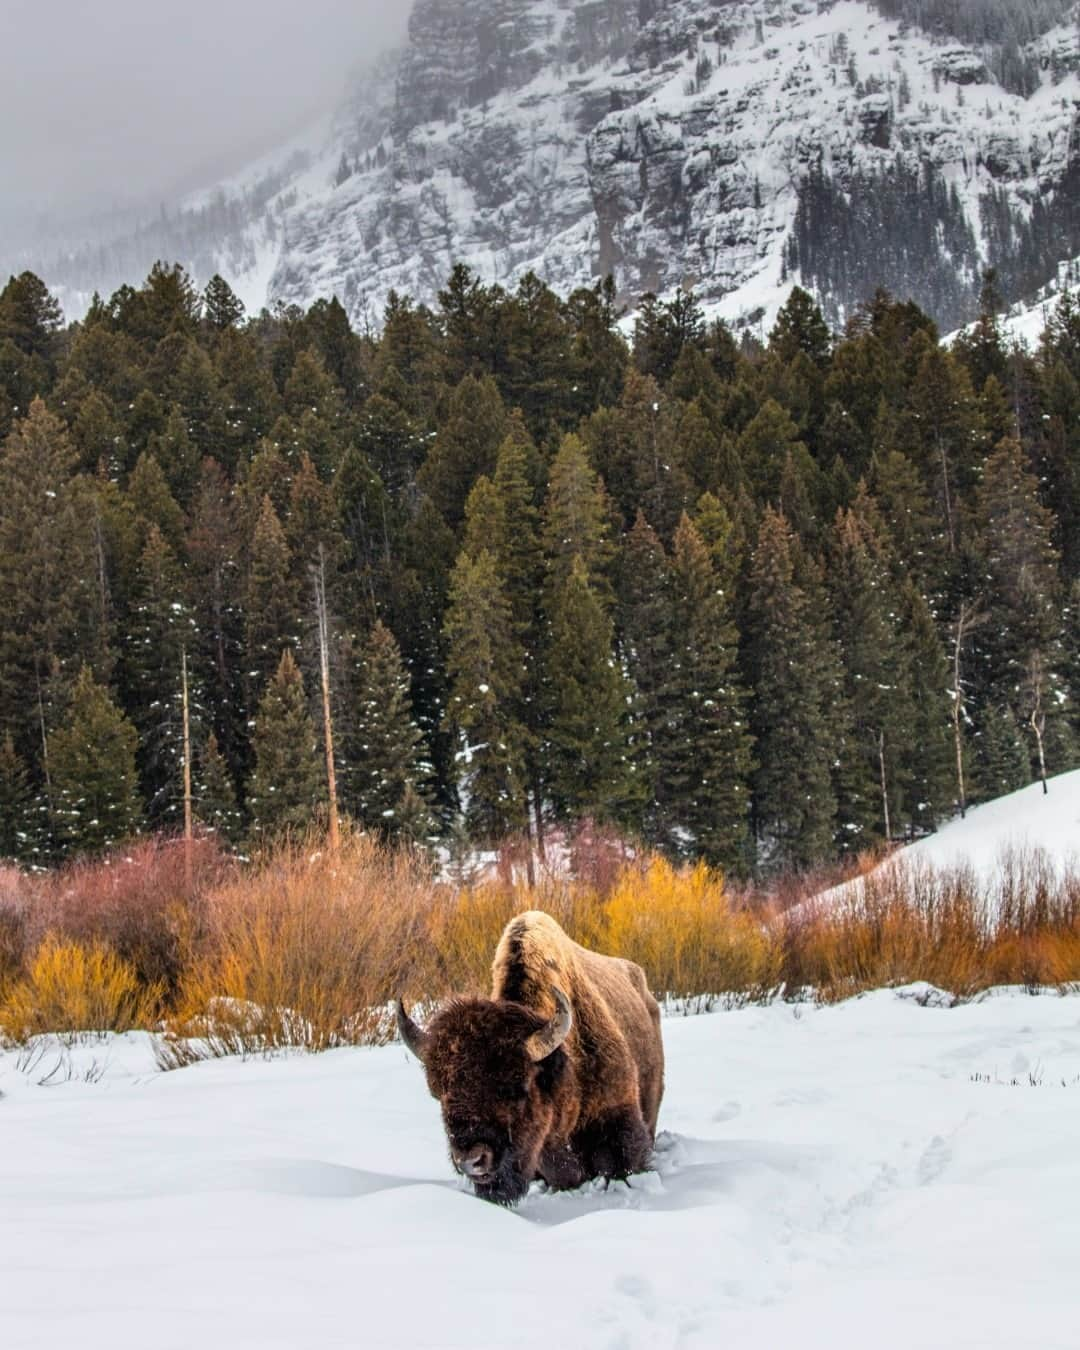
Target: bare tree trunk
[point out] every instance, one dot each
(948, 494)
(538, 809)
(884, 786)
(958, 711)
(1036, 676)
(968, 618)
(328, 723)
(189, 832)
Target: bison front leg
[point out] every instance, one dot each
(615, 1143)
(561, 1168)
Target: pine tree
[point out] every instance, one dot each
(94, 779)
(646, 640)
(588, 766)
(214, 552)
(801, 329)
(790, 669)
(388, 768)
(872, 780)
(160, 630)
(19, 840)
(1002, 760)
(576, 521)
(50, 615)
(467, 445)
(271, 608)
(925, 743)
(222, 308)
(289, 782)
(705, 747)
(215, 794)
(149, 493)
(485, 664)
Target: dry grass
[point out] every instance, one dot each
(307, 949)
(304, 950)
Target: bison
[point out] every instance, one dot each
(557, 1076)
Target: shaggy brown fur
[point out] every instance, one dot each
(588, 1109)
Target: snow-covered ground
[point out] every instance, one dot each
(1022, 821)
(878, 1173)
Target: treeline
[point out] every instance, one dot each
(1000, 29)
(762, 605)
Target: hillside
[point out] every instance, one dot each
(733, 149)
(1012, 824)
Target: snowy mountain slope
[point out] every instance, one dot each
(736, 148)
(684, 157)
(875, 1173)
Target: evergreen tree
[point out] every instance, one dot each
(214, 554)
(1002, 760)
(19, 814)
(576, 522)
(160, 631)
(289, 782)
(215, 794)
(222, 308)
(789, 663)
(466, 446)
(485, 664)
(588, 765)
(873, 778)
(94, 779)
(705, 745)
(388, 767)
(646, 642)
(151, 497)
(271, 608)
(50, 614)
(801, 329)
(925, 744)
(1015, 533)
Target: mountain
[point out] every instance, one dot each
(732, 147)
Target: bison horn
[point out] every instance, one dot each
(413, 1036)
(541, 1043)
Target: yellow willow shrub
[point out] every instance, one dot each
(72, 988)
(679, 925)
(464, 930)
(465, 926)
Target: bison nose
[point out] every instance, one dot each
(475, 1162)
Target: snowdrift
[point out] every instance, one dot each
(873, 1173)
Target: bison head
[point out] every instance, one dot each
(495, 1068)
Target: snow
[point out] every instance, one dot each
(876, 1173)
(993, 835)
(1021, 821)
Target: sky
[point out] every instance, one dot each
(109, 102)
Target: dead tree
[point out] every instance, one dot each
(322, 620)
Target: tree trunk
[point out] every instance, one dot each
(189, 834)
(957, 714)
(328, 724)
(884, 787)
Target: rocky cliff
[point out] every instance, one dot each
(733, 145)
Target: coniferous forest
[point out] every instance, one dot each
(765, 605)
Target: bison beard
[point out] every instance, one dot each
(538, 1083)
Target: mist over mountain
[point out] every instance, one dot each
(735, 148)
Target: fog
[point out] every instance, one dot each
(121, 102)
